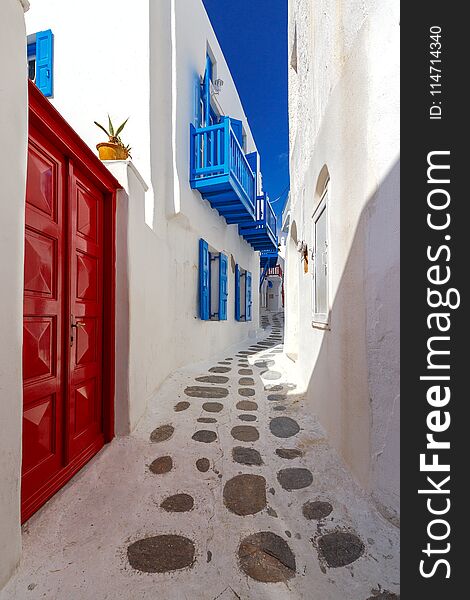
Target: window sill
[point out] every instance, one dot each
(319, 324)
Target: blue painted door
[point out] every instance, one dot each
(248, 297)
(204, 287)
(237, 130)
(237, 293)
(223, 288)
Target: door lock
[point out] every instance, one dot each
(75, 325)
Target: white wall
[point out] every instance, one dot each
(274, 294)
(101, 66)
(142, 59)
(13, 149)
(344, 113)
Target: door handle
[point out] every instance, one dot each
(75, 325)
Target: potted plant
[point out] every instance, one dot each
(113, 149)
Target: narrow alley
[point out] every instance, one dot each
(227, 489)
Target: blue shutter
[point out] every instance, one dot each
(44, 61)
(252, 159)
(207, 90)
(237, 293)
(223, 291)
(204, 267)
(248, 296)
(237, 130)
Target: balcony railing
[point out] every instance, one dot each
(268, 260)
(262, 234)
(221, 171)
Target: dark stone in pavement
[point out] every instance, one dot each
(205, 436)
(316, 510)
(162, 464)
(247, 405)
(340, 548)
(213, 407)
(245, 494)
(247, 417)
(266, 557)
(161, 554)
(203, 464)
(162, 433)
(178, 503)
(200, 391)
(182, 406)
(245, 433)
(294, 478)
(284, 427)
(246, 456)
(289, 453)
(212, 379)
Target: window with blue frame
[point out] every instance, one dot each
(40, 49)
(207, 113)
(213, 283)
(243, 294)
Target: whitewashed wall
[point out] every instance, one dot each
(101, 66)
(13, 149)
(344, 113)
(142, 59)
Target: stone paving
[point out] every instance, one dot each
(227, 489)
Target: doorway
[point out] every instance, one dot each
(68, 323)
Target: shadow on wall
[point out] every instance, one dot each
(353, 385)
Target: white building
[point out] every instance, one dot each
(190, 218)
(342, 265)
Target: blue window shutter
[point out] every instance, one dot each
(44, 61)
(252, 159)
(237, 130)
(223, 291)
(248, 297)
(207, 90)
(204, 280)
(237, 293)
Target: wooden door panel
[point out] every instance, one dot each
(43, 402)
(86, 307)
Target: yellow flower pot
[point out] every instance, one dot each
(111, 151)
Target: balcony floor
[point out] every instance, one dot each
(226, 196)
(76, 546)
(260, 238)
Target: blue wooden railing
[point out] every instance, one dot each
(265, 215)
(208, 151)
(216, 151)
(271, 220)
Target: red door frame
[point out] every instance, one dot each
(43, 117)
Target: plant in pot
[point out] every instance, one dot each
(113, 149)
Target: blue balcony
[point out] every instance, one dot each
(262, 232)
(268, 260)
(222, 173)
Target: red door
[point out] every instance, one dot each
(86, 313)
(43, 324)
(68, 311)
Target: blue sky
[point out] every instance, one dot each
(253, 37)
